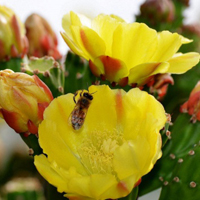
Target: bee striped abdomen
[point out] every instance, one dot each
(77, 119)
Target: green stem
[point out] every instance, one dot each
(32, 142)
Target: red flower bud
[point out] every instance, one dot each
(159, 84)
(13, 42)
(158, 10)
(41, 37)
(192, 106)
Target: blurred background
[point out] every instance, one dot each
(15, 164)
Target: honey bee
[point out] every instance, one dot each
(80, 110)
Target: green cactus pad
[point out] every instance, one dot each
(49, 71)
(184, 136)
(184, 183)
(77, 73)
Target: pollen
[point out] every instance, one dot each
(97, 151)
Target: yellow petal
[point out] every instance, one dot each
(140, 73)
(43, 166)
(73, 46)
(88, 41)
(181, 63)
(92, 186)
(56, 131)
(143, 131)
(134, 43)
(119, 19)
(122, 189)
(74, 20)
(66, 23)
(126, 167)
(102, 120)
(129, 160)
(105, 26)
(185, 40)
(168, 45)
(138, 106)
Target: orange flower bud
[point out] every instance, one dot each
(13, 42)
(23, 99)
(41, 37)
(159, 84)
(192, 106)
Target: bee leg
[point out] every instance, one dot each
(81, 93)
(75, 97)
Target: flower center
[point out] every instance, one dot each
(97, 150)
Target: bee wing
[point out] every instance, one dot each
(77, 117)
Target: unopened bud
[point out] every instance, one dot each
(159, 84)
(157, 11)
(192, 106)
(41, 37)
(23, 99)
(13, 42)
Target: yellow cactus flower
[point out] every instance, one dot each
(126, 53)
(118, 143)
(13, 42)
(23, 99)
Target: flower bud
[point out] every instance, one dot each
(192, 106)
(13, 42)
(159, 84)
(23, 99)
(41, 37)
(185, 2)
(191, 29)
(158, 10)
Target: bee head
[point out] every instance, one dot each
(88, 95)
